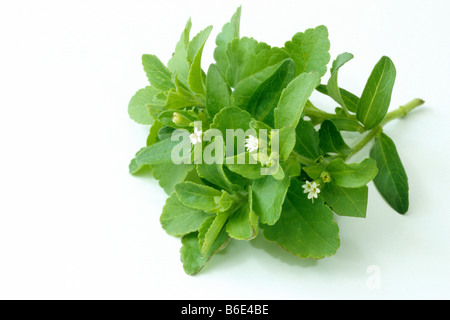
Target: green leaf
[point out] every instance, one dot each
(293, 100)
(229, 32)
(248, 56)
(305, 229)
(195, 50)
(307, 140)
(178, 219)
(309, 50)
(178, 63)
(243, 224)
(291, 167)
(159, 152)
(391, 181)
(169, 174)
(353, 175)
(247, 170)
(331, 140)
(192, 259)
(260, 92)
(332, 86)
(183, 97)
(159, 76)
(268, 197)
(231, 118)
(313, 172)
(347, 125)
(350, 100)
(376, 97)
(135, 168)
(346, 202)
(213, 231)
(215, 174)
(137, 107)
(217, 91)
(198, 196)
(153, 134)
(287, 141)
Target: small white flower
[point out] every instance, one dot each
(196, 137)
(251, 143)
(312, 189)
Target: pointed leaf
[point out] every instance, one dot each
(376, 97)
(293, 99)
(331, 140)
(307, 140)
(333, 86)
(243, 224)
(198, 196)
(159, 76)
(217, 91)
(229, 32)
(178, 63)
(391, 181)
(195, 50)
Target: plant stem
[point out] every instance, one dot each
(364, 141)
(402, 110)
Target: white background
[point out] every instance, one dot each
(75, 224)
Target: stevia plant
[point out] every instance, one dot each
(252, 85)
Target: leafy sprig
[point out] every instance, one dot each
(252, 85)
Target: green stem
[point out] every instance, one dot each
(402, 111)
(364, 141)
(304, 160)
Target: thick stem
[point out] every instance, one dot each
(402, 110)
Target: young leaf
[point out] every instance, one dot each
(260, 92)
(178, 63)
(293, 99)
(169, 174)
(178, 219)
(217, 91)
(313, 172)
(305, 229)
(182, 97)
(195, 50)
(346, 202)
(243, 224)
(157, 73)
(353, 175)
(213, 232)
(198, 196)
(152, 137)
(391, 181)
(191, 256)
(247, 170)
(159, 152)
(332, 86)
(215, 174)
(307, 140)
(287, 141)
(331, 140)
(309, 50)
(376, 97)
(248, 56)
(137, 107)
(231, 118)
(350, 100)
(229, 32)
(268, 197)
